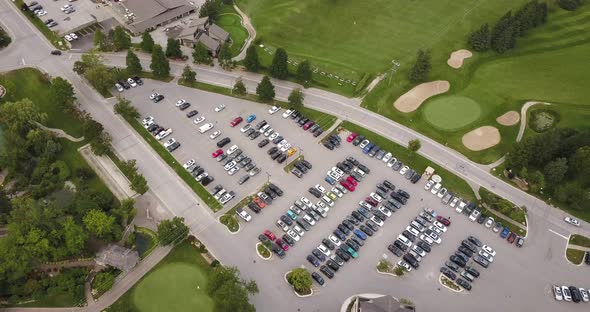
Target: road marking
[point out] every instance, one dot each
(563, 236)
(23, 61)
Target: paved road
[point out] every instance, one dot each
(179, 199)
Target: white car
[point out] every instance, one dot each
(282, 225)
(180, 102)
(215, 134)
(584, 293)
(287, 113)
(412, 231)
(430, 211)
(246, 128)
(74, 36)
(435, 188)
(364, 143)
(232, 149)
(309, 220)
(387, 157)
(417, 226)
(298, 230)
(454, 202)
(42, 13)
(229, 165)
(188, 163)
(147, 120)
(153, 95)
(119, 87)
(328, 200)
(199, 120)
(486, 256)
(428, 185)
(66, 7)
(285, 147)
(169, 142)
(473, 216)
(404, 170)
(322, 205)
(163, 134)
(338, 171)
(202, 176)
(220, 107)
(306, 202)
(567, 296)
(334, 240)
(489, 222)
(244, 215)
(376, 197)
(489, 250)
(294, 235)
(404, 265)
(68, 38)
(419, 251)
(557, 293)
(391, 162)
(439, 225)
(129, 80)
(337, 191)
(269, 132)
(426, 239)
(442, 193)
(233, 170)
(385, 211)
(320, 188)
(404, 240)
(461, 206)
(365, 205)
(435, 229)
(273, 110)
(323, 249)
(377, 221)
(282, 143)
(273, 136)
(572, 221)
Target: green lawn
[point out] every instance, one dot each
(575, 256)
(178, 283)
(231, 22)
(451, 112)
(580, 240)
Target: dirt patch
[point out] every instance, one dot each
(481, 138)
(411, 100)
(456, 59)
(509, 118)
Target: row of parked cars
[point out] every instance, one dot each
(264, 198)
(459, 262)
(305, 123)
(332, 141)
(373, 150)
(160, 132)
(222, 195)
(572, 293)
(301, 167)
(474, 214)
(198, 172)
(416, 241)
(131, 82)
(234, 159)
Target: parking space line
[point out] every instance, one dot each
(558, 234)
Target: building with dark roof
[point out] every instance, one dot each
(203, 31)
(146, 15)
(119, 257)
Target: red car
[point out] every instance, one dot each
(270, 235)
(347, 185)
(217, 153)
(511, 238)
(259, 202)
(281, 243)
(351, 137)
(371, 201)
(352, 181)
(308, 125)
(443, 220)
(236, 121)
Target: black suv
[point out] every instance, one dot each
(223, 142)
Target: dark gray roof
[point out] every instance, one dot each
(189, 31)
(149, 13)
(218, 32)
(119, 257)
(209, 42)
(382, 304)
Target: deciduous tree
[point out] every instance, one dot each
(62, 94)
(121, 40)
(555, 171)
(201, 54)
(229, 291)
(170, 231)
(124, 108)
(300, 278)
(239, 87)
(100, 40)
(225, 55)
(98, 223)
(414, 145)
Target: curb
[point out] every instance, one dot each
(230, 232)
(447, 287)
(259, 255)
(296, 294)
(565, 253)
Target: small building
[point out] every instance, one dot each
(187, 35)
(217, 33)
(377, 304)
(201, 30)
(146, 15)
(211, 44)
(119, 257)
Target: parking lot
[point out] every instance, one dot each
(86, 13)
(515, 275)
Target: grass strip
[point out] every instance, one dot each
(580, 240)
(513, 228)
(291, 165)
(262, 250)
(575, 256)
(453, 183)
(169, 159)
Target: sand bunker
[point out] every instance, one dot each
(510, 118)
(481, 138)
(412, 99)
(457, 57)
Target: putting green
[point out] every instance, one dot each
(451, 112)
(174, 287)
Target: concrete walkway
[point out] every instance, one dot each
(523, 111)
(578, 247)
(251, 34)
(60, 133)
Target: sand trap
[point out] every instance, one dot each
(510, 118)
(481, 138)
(411, 100)
(457, 57)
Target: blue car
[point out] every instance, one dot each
(330, 180)
(368, 148)
(251, 118)
(505, 232)
(360, 234)
(292, 215)
(313, 260)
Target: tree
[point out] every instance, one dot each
(160, 66)
(479, 40)
(98, 223)
(579, 163)
(304, 71)
(414, 145)
(300, 278)
(92, 129)
(100, 78)
(555, 171)
(210, 9)
(239, 87)
(188, 75)
(279, 67)
(147, 42)
(421, 69)
(265, 90)
(121, 39)
(101, 144)
(170, 231)
(225, 55)
(570, 5)
(74, 236)
(126, 211)
(296, 98)
(100, 40)
(201, 54)
(133, 64)
(503, 37)
(229, 292)
(20, 117)
(124, 108)
(173, 48)
(62, 94)
(138, 183)
(103, 281)
(536, 181)
(251, 60)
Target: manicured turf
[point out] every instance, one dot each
(575, 256)
(451, 112)
(580, 240)
(177, 283)
(230, 21)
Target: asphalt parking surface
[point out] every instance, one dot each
(67, 22)
(517, 280)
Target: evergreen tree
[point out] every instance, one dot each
(251, 61)
(504, 34)
(160, 66)
(304, 71)
(479, 40)
(296, 98)
(201, 54)
(147, 42)
(279, 67)
(133, 64)
(421, 69)
(173, 48)
(100, 40)
(570, 5)
(239, 87)
(225, 55)
(265, 90)
(121, 39)
(210, 8)
(188, 75)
